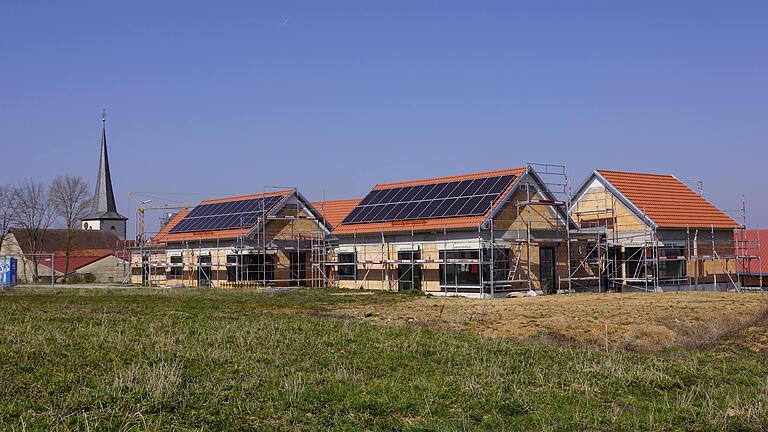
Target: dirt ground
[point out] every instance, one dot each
(640, 321)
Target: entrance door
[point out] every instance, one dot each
(204, 271)
(612, 274)
(298, 270)
(409, 275)
(547, 269)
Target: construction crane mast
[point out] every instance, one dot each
(143, 207)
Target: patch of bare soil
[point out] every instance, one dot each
(636, 321)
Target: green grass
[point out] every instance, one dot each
(134, 359)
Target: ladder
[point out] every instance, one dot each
(516, 265)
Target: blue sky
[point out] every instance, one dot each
(212, 98)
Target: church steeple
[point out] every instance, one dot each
(104, 213)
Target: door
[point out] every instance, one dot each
(298, 271)
(204, 271)
(612, 274)
(547, 273)
(409, 275)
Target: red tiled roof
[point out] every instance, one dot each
(165, 234)
(75, 262)
(334, 211)
(667, 201)
(433, 223)
(54, 241)
(753, 243)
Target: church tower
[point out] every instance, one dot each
(104, 215)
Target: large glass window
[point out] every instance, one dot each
(468, 273)
(250, 267)
(460, 274)
(347, 265)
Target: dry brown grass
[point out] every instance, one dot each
(626, 321)
(157, 381)
(707, 334)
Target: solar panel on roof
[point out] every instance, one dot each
(225, 215)
(447, 199)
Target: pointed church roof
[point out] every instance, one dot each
(103, 206)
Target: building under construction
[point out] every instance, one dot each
(269, 239)
(651, 232)
(483, 234)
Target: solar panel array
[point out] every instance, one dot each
(225, 215)
(435, 200)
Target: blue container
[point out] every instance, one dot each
(8, 267)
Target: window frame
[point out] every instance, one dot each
(343, 265)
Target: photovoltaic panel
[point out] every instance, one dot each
(225, 215)
(435, 200)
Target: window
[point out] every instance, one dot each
(468, 274)
(500, 268)
(639, 262)
(460, 274)
(347, 265)
(674, 268)
(177, 268)
(204, 270)
(409, 275)
(250, 267)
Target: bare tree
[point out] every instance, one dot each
(34, 215)
(7, 210)
(70, 200)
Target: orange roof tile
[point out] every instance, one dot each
(667, 201)
(165, 235)
(334, 211)
(430, 224)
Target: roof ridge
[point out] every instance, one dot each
(336, 200)
(451, 177)
(245, 197)
(636, 173)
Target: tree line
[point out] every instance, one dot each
(34, 207)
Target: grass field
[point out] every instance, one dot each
(142, 359)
